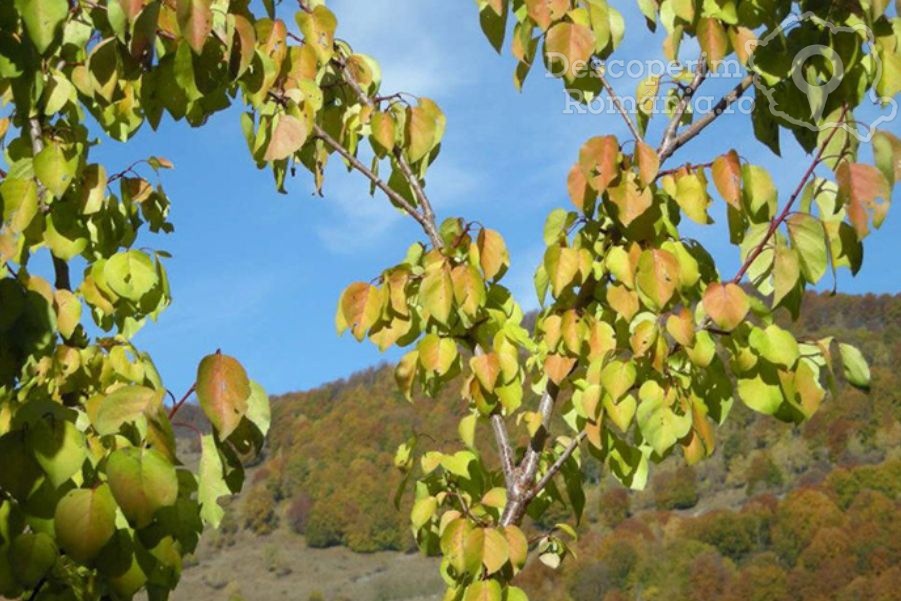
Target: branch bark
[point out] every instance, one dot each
(670, 133)
(698, 126)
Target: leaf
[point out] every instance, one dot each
(567, 49)
(860, 189)
(288, 137)
(657, 278)
(31, 556)
(436, 293)
(85, 521)
(495, 551)
(660, 426)
(648, 163)
(727, 178)
(462, 545)
(486, 368)
(562, 266)
(131, 274)
(382, 129)
(423, 511)
(195, 21)
(618, 377)
(786, 271)
(52, 169)
(855, 367)
(761, 391)
(558, 367)
(437, 354)
(210, 482)
(493, 255)
(713, 41)
(546, 12)
(125, 405)
(886, 155)
(223, 389)
(358, 309)
(318, 29)
(421, 132)
(142, 481)
(42, 20)
(776, 345)
(727, 305)
(808, 237)
(691, 194)
(599, 161)
(483, 590)
(630, 201)
(759, 192)
(58, 447)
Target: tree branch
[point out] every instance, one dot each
(177, 406)
(619, 105)
(428, 216)
(558, 465)
(669, 134)
(698, 126)
(504, 449)
(390, 192)
(778, 221)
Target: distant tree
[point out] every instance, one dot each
(677, 489)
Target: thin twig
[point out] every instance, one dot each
(354, 162)
(619, 105)
(184, 399)
(774, 225)
(558, 465)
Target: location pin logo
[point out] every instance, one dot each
(817, 94)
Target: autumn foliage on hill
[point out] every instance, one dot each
(329, 472)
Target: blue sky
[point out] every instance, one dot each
(257, 273)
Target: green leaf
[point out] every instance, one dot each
(437, 294)
(142, 481)
(125, 405)
(31, 556)
(786, 271)
(58, 447)
(483, 590)
(660, 426)
(617, 377)
(423, 511)
(258, 410)
(131, 274)
(462, 546)
(562, 266)
(761, 390)
(85, 521)
(223, 390)
(318, 29)
(210, 482)
(42, 20)
(808, 237)
(495, 550)
(776, 345)
(52, 169)
(855, 367)
(759, 193)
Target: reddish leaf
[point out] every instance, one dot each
(223, 389)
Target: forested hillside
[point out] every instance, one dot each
(811, 509)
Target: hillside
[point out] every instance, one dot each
(328, 475)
